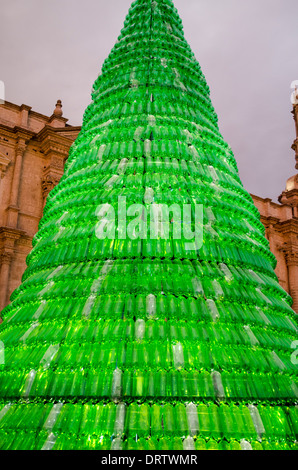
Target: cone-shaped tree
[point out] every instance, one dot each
(141, 340)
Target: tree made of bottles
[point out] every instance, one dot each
(143, 343)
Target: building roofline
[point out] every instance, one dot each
(33, 113)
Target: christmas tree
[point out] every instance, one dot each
(149, 316)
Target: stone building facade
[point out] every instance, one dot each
(33, 150)
(281, 224)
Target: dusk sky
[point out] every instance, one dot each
(248, 51)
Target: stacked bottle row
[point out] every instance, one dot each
(158, 172)
(126, 115)
(112, 110)
(111, 420)
(134, 163)
(136, 188)
(204, 349)
(258, 285)
(134, 305)
(146, 356)
(158, 282)
(220, 314)
(241, 250)
(120, 106)
(22, 440)
(157, 156)
(146, 124)
(160, 76)
(142, 308)
(201, 335)
(86, 244)
(134, 180)
(165, 69)
(200, 280)
(202, 173)
(198, 112)
(185, 227)
(155, 136)
(227, 319)
(136, 71)
(140, 421)
(156, 386)
(52, 329)
(158, 307)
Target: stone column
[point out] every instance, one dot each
(13, 210)
(295, 144)
(17, 173)
(295, 112)
(5, 263)
(292, 263)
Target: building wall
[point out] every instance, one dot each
(281, 224)
(33, 150)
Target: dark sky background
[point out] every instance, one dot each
(54, 49)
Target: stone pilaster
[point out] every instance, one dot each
(295, 148)
(291, 257)
(55, 154)
(13, 209)
(5, 264)
(295, 113)
(8, 240)
(295, 144)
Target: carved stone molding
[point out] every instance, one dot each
(52, 143)
(48, 183)
(25, 241)
(291, 258)
(21, 147)
(4, 163)
(8, 237)
(6, 258)
(290, 253)
(57, 162)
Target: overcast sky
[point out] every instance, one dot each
(248, 51)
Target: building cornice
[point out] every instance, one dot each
(21, 107)
(8, 237)
(16, 131)
(53, 144)
(268, 201)
(269, 221)
(290, 225)
(11, 239)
